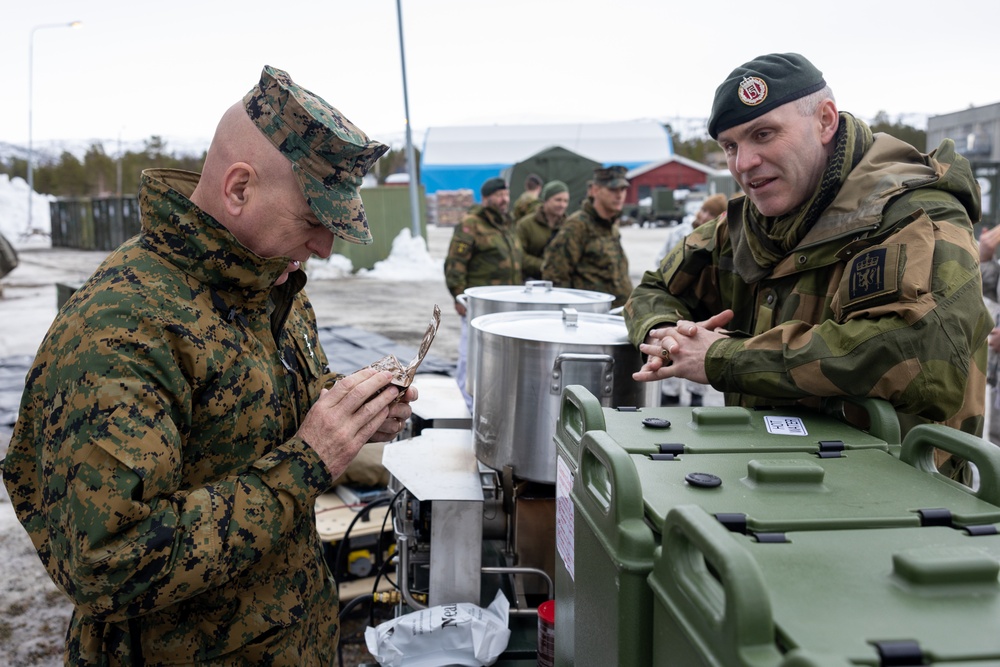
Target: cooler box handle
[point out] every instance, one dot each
(918, 451)
(732, 609)
(883, 422)
(608, 493)
(579, 412)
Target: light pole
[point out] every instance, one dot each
(31, 73)
(410, 159)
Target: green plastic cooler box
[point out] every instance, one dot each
(878, 597)
(703, 430)
(621, 499)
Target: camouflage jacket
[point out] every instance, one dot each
(882, 297)
(524, 204)
(587, 254)
(534, 234)
(483, 251)
(154, 462)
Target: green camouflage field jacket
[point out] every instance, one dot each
(534, 234)
(483, 251)
(587, 254)
(154, 462)
(882, 298)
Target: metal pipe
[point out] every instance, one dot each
(403, 549)
(521, 570)
(411, 166)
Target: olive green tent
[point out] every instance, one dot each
(554, 164)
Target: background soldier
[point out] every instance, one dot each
(528, 200)
(849, 268)
(587, 252)
(483, 251)
(535, 230)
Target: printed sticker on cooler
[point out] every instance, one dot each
(785, 425)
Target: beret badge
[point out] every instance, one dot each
(752, 91)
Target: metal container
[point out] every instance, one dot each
(532, 295)
(525, 360)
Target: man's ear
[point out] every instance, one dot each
(829, 120)
(236, 187)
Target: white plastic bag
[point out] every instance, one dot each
(451, 634)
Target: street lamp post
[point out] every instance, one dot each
(31, 72)
(411, 163)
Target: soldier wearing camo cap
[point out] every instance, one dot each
(587, 251)
(849, 268)
(536, 229)
(175, 432)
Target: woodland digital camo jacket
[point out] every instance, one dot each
(483, 251)
(155, 463)
(882, 297)
(587, 254)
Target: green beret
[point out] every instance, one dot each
(763, 84)
(492, 185)
(552, 188)
(329, 154)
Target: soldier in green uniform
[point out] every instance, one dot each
(849, 268)
(528, 200)
(535, 230)
(587, 252)
(175, 429)
(483, 251)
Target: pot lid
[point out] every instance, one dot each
(556, 326)
(538, 291)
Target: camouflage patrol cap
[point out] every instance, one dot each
(765, 83)
(329, 154)
(611, 177)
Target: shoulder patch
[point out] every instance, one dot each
(873, 277)
(461, 247)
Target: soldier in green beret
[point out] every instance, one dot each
(587, 251)
(849, 268)
(177, 427)
(537, 228)
(483, 251)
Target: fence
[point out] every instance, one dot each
(100, 223)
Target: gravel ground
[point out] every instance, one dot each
(33, 613)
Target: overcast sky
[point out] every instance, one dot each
(135, 69)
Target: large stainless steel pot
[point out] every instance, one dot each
(525, 359)
(532, 295)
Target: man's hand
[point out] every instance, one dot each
(352, 413)
(680, 351)
(993, 340)
(988, 241)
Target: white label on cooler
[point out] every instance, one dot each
(564, 514)
(785, 425)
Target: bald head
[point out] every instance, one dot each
(238, 149)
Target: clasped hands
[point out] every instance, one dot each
(680, 350)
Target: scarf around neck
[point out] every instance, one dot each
(768, 239)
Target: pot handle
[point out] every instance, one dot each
(608, 381)
(463, 299)
(544, 285)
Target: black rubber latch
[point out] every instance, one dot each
(675, 448)
(705, 480)
(627, 408)
(935, 517)
(901, 653)
(662, 457)
(733, 521)
(978, 531)
(656, 422)
(831, 446)
(829, 455)
(770, 538)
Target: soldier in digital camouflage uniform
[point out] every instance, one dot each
(849, 269)
(587, 252)
(483, 251)
(174, 432)
(536, 230)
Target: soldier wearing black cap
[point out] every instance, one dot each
(174, 432)
(484, 251)
(587, 251)
(849, 269)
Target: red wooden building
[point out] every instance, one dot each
(675, 172)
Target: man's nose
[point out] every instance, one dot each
(321, 243)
